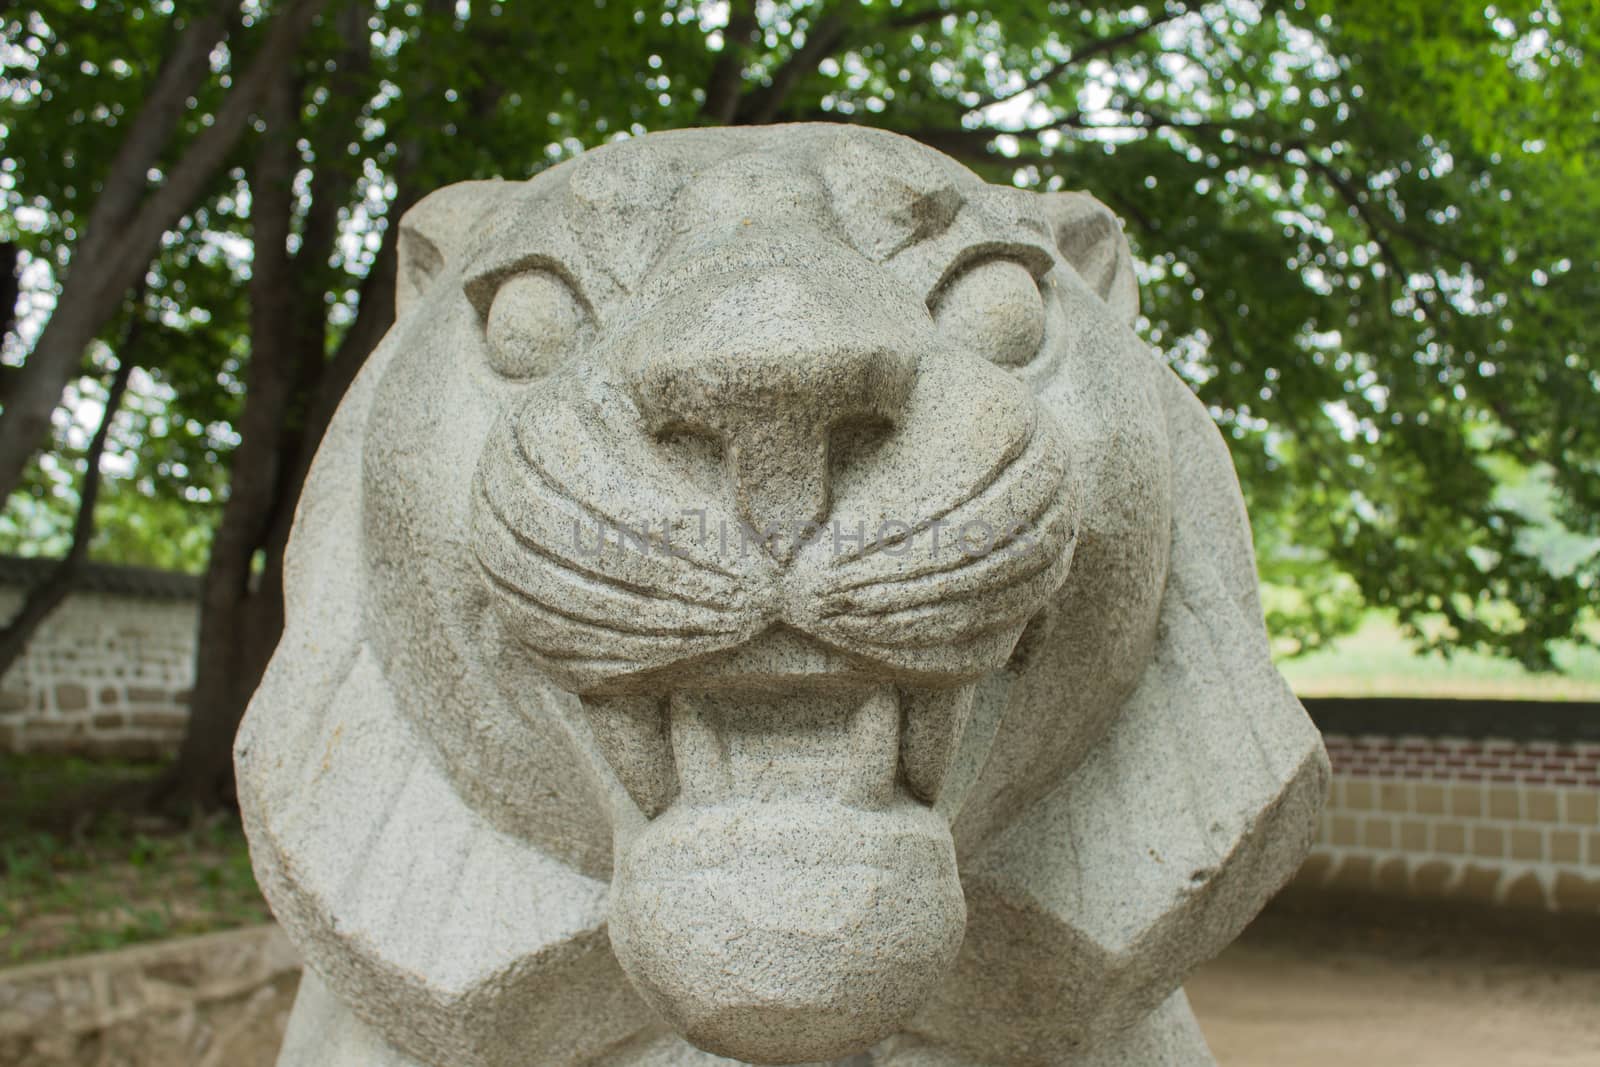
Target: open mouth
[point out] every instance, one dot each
(782, 717)
(785, 720)
(794, 892)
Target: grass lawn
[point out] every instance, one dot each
(1377, 660)
(124, 879)
(117, 881)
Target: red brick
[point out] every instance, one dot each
(1574, 892)
(160, 720)
(1430, 878)
(1354, 873)
(1314, 871)
(72, 697)
(1391, 876)
(1479, 883)
(1526, 893)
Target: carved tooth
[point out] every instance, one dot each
(873, 739)
(701, 751)
(632, 734)
(933, 721)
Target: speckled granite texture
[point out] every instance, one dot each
(763, 600)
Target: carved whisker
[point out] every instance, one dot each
(603, 519)
(597, 787)
(956, 617)
(1014, 456)
(609, 593)
(953, 572)
(601, 628)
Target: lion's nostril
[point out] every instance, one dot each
(789, 367)
(854, 444)
(696, 453)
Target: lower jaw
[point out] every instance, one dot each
(776, 918)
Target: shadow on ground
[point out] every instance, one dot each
(1314, 983)
(1331, 981)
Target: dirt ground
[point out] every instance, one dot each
(1405, 989)
(1322, 991)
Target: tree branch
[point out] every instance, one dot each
(44, 598)
(10, 256)
(722, 88)
(102, 272)
(179, 77)
(826, 36)
(1103, 46)
(202, 158)
(910, 20)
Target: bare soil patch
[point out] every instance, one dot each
(1392, 986)
(1375, 985)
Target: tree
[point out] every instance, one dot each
(125, 224)
(44, 598)
(1365, 240)
(301, 360)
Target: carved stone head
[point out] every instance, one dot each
(763, 594)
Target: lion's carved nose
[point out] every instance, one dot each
(777, 368)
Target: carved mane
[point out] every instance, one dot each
(471, 726)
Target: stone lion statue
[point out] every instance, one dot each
(763, 600)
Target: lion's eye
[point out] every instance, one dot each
(993, 308)
(533, 322)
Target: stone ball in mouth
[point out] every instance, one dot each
(795, 900)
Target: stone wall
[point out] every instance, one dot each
(109, 672)
(1503, 821)
(216, 1001)
(1424, 802)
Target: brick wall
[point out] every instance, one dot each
(1509, 822)
(107, 674)
(1513, 821)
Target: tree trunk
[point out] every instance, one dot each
(233, 653)
(292, 390)
(291, 313)
(229, 640)
(115, 251)
(10, 256)
(43, 599)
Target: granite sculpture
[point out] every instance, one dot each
(762, 600)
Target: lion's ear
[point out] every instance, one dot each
(433, 232)
(1091, 239)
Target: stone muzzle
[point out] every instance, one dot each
(794, 902)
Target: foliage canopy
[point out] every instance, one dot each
(1366, 234)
